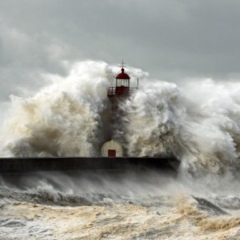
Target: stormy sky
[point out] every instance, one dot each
(173, 40)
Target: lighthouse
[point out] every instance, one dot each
(116, 95)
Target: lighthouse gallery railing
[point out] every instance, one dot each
(112, 91)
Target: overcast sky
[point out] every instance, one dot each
(170, 39)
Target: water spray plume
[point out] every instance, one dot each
(199, 122)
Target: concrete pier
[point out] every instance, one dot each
(22, 165)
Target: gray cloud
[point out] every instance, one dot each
(169, 39)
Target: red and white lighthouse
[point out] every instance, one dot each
(117, 94)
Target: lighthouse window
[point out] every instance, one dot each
(122, 82)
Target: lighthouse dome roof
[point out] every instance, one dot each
(122, 75)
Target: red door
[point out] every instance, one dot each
(111, 153)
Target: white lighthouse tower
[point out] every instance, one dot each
(116, 94)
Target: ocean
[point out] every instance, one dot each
(198, 122)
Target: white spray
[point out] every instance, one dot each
(63, 119)
(198, 123)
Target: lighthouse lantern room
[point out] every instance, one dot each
(122, 88)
